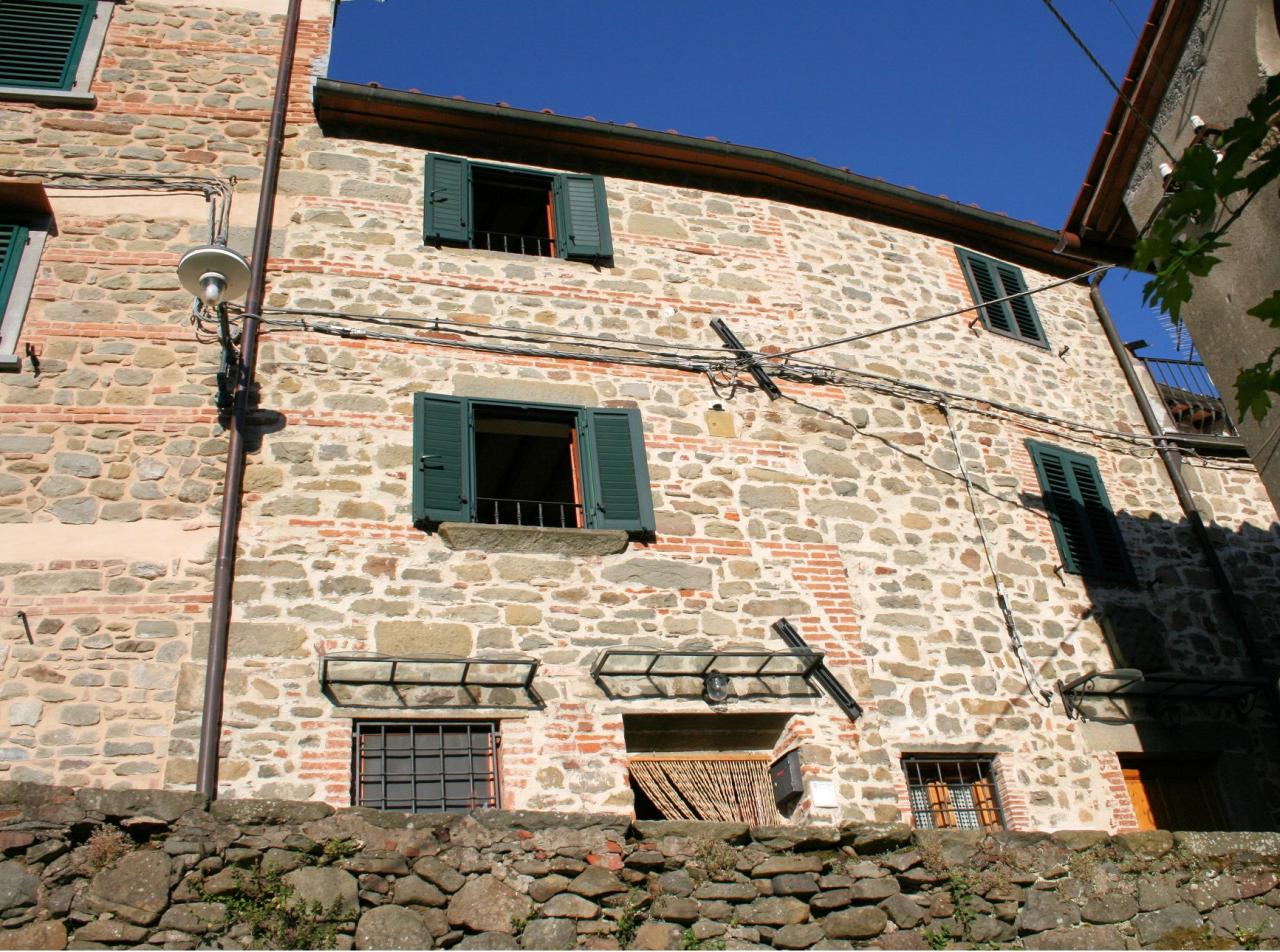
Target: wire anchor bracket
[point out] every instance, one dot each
(753, 366)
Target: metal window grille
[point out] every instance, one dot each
(537, 245)
(529, 512)
(425, 767)
(953, 793)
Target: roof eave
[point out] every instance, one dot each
(422, 120)
(1098, 223)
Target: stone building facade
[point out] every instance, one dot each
(891, 504)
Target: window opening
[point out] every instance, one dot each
(527, 471)
(512, 212)
(711, 767)
(1170, 794)
(953, 793)
(726, 788)
(425, 767)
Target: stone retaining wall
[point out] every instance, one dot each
(125, 868)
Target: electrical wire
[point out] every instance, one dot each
(720, 367)
(1079, 41)
(937, 317)
(1029, 675)
(218, 192)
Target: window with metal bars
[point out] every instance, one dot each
(425, 766)
(990, 280)
(953, 793)
(1084, 524)
(514, 210)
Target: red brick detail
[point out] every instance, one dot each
(1123, 817)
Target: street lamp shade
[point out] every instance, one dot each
(214, 273)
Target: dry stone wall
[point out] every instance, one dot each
(95, 869)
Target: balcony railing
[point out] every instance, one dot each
(529, 512)
(1190, 397)
(515, 244)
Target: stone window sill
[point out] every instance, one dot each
(466, 535)
(48, 97)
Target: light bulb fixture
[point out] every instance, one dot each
(213, 274)
(715, 687)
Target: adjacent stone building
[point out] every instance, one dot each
(1196, 66)
(511, 501)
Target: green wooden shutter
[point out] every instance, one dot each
(612, 442)
(582, 218)
(989, 280)
(447, 215)
(1084, 524)
(1024, 311)
(13, 238)
(41, 41)
(441, 459)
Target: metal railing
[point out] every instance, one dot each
(1190, 397)
(516, 244)
(529, 512)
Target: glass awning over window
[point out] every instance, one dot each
(1128, 684)
(650, 672)
(378, 681)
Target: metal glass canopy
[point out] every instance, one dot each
(378, 681)
(1166, 687)
(651, 672)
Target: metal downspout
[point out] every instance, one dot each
(1172, 460)
(224, 570)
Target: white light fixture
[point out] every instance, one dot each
(213, 273)
(715, 686)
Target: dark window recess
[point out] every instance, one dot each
(527, 468)
(425, 767)
(520, 211)
(41, 41)
(1084, 525)
(955, 793)
(989, 280)
(512, 212)
(507, 463)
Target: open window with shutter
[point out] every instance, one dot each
(989, 281)
(1084, 524)
(518, 211)
(502, 462)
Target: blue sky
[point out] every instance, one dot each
(984, 101)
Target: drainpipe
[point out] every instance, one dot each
(224, 570)
(1172, 460)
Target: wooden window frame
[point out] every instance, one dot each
(76, 89)
(18, 273)
(928, 784)
(1093, 531)
(574, 201)
(595, 483)
(1027, 327)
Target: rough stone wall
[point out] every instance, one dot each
(841, 507)
(111, 457)
(148, 869)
